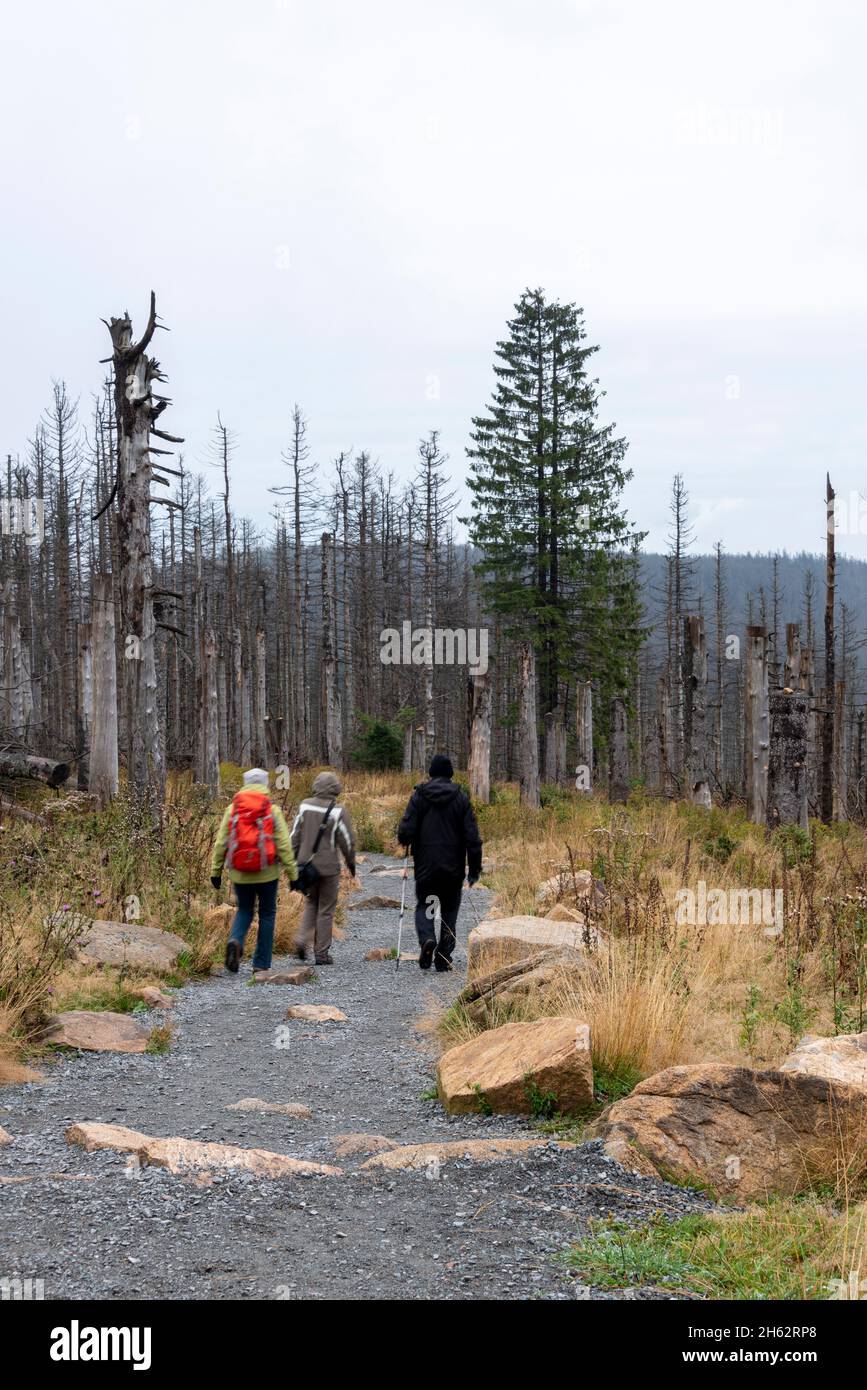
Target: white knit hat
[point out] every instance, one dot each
(256, 774)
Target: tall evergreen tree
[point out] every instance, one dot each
(546, 480)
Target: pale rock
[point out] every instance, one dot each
(503, 1068)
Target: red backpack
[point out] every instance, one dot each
(251, 833)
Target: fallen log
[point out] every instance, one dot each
(9, 808)
(17, 764)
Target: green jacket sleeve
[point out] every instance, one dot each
(221, 844)
(284, 844)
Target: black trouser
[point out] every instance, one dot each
(438, 892)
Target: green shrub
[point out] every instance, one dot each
(379, 746)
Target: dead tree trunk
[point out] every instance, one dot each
(694, 660)
(787, 759)
(555, 746)
(584, 732)
(260, 701)
(841, 762)
(17, 705)
(528, 738)
(756, 724)
(827, 779)
(103, 781)
(618, 757)
(332, 719)
(136, 410)
(407, 748)
(15, 764)
(479, 764)
(84, 707)
(209, 766)
(666, 738)
(792, 674)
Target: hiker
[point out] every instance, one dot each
(320, 812)
(253, 841)
(440, 826)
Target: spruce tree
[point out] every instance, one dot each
(546, 483)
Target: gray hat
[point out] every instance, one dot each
(256, 774)
(327, 783)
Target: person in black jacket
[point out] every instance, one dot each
(440, 826)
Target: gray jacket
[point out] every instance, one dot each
(337, 838)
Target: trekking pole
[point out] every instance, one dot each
(402, 908)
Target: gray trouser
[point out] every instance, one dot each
(317, 922)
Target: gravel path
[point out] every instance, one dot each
(482, 1230)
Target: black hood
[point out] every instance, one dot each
(438, 791)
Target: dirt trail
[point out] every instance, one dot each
(91, 1225)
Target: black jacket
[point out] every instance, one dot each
(440, 825)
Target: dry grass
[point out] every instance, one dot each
(664, 991)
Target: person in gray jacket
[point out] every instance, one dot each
(337, 840)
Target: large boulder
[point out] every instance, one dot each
(499, 941)
(843, 1058)
(130, 944)
(749, 1133)
(508, 1069)
(578, 887)
(96, 1032)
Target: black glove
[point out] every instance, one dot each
(216, 880)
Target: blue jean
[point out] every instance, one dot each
(245, 896)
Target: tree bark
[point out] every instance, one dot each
(841, 766)
(479, 766)
(136, 409)
(103, 779)
(827, 779)
(694, 657)
(84, 710)
(618, 765)
(757, 733)
(332, 720)
(584, 735)
(555, 746)
(528, 739)
(787, 760)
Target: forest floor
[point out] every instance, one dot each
(93, 1225)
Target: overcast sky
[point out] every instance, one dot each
(338, 203)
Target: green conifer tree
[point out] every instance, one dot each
(546, 481)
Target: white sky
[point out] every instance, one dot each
(338, 203)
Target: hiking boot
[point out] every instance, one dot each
(443, 963)
(233, 956)
(327, 959)
(426, 955)
(301, 952)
